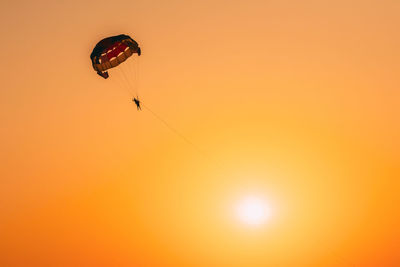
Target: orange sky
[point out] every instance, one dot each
(295, 101)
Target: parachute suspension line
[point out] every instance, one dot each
(127, 79)
(134, 69)
(131, 71)
(118, 79)
(115, 77)
(121, 86)
(123, 77)
(137, 73)
(131, 74)
(121, 81)
(117, 82)
(174, 130)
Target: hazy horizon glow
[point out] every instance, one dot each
(252, 210)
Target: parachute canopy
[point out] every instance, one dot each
(112, 51)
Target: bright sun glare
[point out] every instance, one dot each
(252, 210)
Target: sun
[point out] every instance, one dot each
(252, 210)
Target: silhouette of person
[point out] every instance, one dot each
(137, 102)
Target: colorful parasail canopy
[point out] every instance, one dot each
(112, 51)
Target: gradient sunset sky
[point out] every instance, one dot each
(295, 102)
